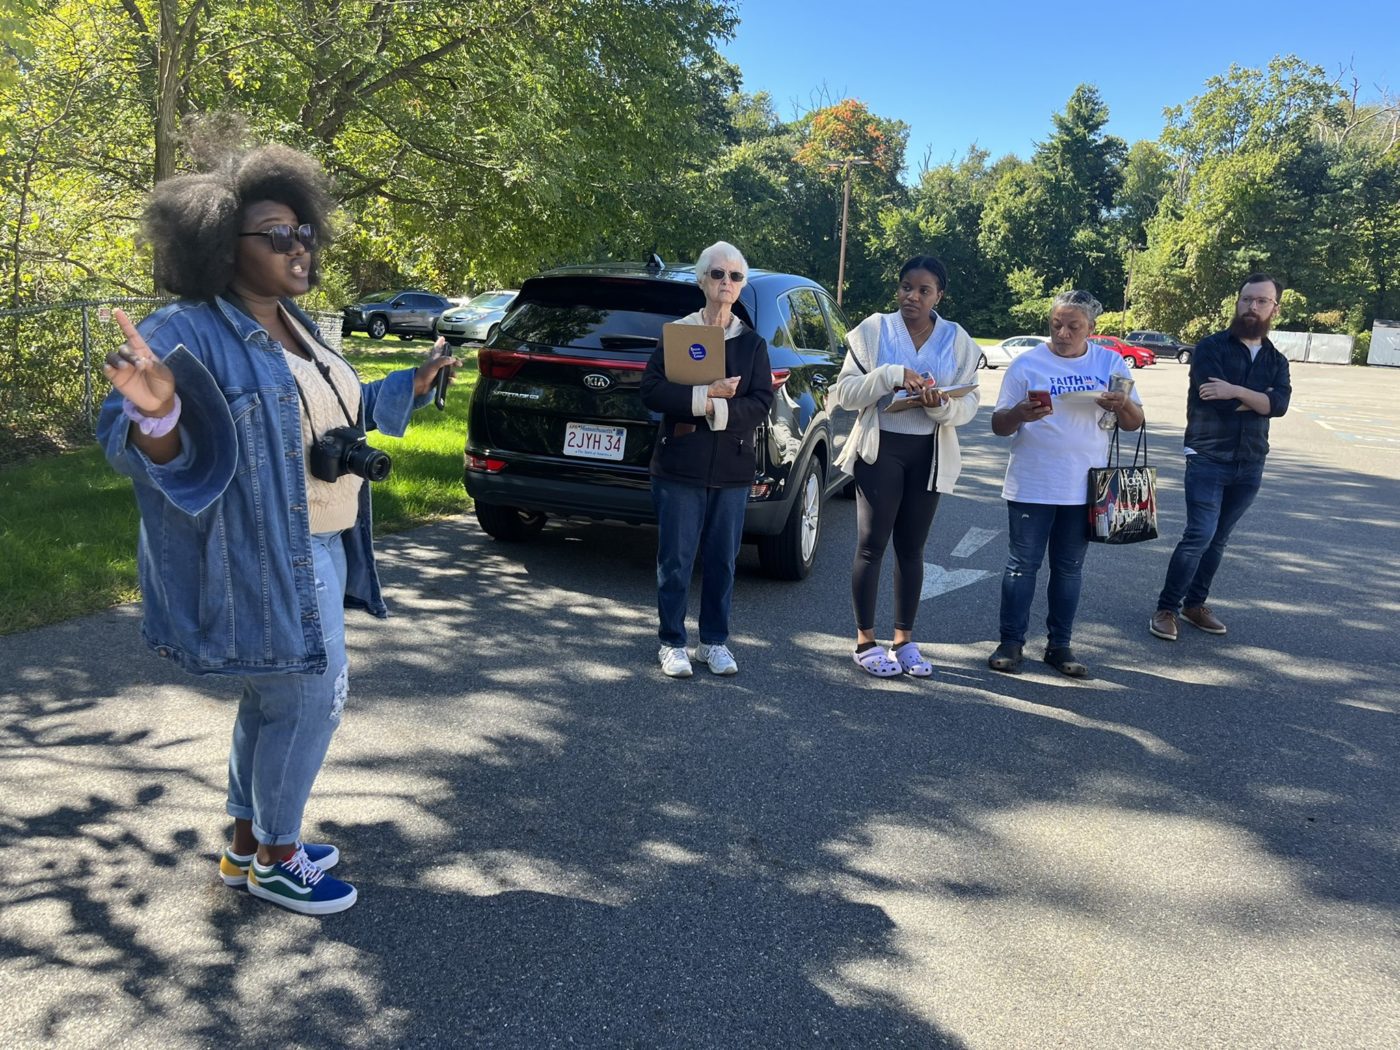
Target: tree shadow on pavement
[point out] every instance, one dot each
(554, 844)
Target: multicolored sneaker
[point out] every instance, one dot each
(233, 867)
(300, 886)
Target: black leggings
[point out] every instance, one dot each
(893, 499)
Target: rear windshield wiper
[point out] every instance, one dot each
(627, 342)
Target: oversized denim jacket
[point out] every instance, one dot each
(224, 553)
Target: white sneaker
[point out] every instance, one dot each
(674, 662)
(720, 659)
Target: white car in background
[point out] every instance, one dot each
(1002, 353)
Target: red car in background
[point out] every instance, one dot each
(1135, 356)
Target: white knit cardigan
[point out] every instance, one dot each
(863, 382)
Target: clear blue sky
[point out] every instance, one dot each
(993, 72)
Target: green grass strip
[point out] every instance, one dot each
(68, 523)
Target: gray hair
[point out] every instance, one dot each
(1081, 301)
(720, 251)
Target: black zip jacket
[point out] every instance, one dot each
(686, 448)
(1217, 429)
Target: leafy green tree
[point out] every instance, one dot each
(1051, 214)
(1255, 173)
(943, 217)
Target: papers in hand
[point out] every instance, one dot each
(903, 399)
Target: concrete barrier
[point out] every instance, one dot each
(1385, 344)
(1322, 347)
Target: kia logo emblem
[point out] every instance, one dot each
(597, 381)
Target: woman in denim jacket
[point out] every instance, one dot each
(253, 539)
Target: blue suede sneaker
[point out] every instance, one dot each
(233, 867)
(300, 886)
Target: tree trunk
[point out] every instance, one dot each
(167, 89)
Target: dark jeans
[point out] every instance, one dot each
(1032, 527)
(690, 520)
(893, 501)
(1217, 495)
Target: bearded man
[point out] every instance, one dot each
(1239, 381)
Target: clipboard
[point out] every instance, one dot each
(905, 400)
(694, 353)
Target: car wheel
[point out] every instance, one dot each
(1131, 362)
(791, 554)
(982, 361)
(508, 524)
(1184, 356)
(378, 327)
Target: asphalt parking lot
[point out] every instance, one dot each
(555, 845)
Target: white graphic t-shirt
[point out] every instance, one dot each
(1051, 457)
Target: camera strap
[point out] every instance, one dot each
(294, 325)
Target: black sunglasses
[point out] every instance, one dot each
(283, 237)
(737, 276)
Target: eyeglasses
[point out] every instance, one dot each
(283, 236)
(737, 276)
(1255, 300)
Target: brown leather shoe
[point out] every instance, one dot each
(1163, 624)
(1202, 617)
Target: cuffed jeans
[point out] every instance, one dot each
(1032, 527)
(285, 721)
(1217, 495)
(690, 520)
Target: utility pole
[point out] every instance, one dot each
(1128, 288)
(845, 164)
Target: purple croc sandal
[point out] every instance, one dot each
(912, 662)
(877, 662)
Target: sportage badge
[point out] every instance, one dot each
(597, 381)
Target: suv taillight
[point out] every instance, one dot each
(499, 364)
(485, 464)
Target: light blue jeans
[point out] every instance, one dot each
(285, 721)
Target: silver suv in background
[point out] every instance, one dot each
(403, 313)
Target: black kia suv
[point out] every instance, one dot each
(557, 427)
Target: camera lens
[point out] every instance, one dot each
(370, 463)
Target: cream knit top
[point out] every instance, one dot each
(333, 506)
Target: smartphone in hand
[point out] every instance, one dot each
(1042, 396)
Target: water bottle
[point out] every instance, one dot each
(1116, 384)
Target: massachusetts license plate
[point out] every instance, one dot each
(594, 442)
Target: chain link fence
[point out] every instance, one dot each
(51, 381)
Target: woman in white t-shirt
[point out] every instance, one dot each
(1055, 439)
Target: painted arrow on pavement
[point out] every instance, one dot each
(938, 580)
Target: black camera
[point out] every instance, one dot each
(345, 450)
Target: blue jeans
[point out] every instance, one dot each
(1031, 528)
(1217, 495)
(285, 721)
(690, 520)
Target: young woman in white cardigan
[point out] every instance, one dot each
(903, 457)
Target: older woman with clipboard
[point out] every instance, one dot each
(702, 466)
(911, 376)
